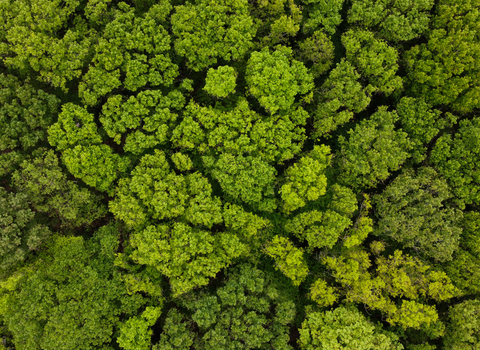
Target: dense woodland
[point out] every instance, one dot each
(239, 174)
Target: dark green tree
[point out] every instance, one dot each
(20, 231)
(73, 299)
(374, 149)
(25, 114)
(413, 211)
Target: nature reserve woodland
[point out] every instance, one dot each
(239, 174)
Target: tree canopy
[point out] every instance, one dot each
(239, 174)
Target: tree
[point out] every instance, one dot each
(344, 328)
(75, 126)
(375, 60)
(132, 52)
(207, 31)
(319, 50)
(394, 21)
(413, 210)
(143, 121)
(248, 311)
(245, 179)
(96, 165)
(463, 269)
(463, 329)
(241, 131)
(73, 299)
(340, 96)
(397, 277)
(220, 82)
(135, 333)
(444, 70)
(46, 185)
(274, 79)
(288, 259)
(175, 333)
(373, 150)
(421, 123)
(323, 15)
(20, 231)
(155, 192)
(319, 229)
(25, 114)
(47, 36)
(187, 256)
(456, 158)
(305, 180)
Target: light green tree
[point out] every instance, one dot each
(207, 31)
(344, 328)
(288, 259)
(220, 82)
(375, 60)
(394, 21)
(340, 96)
(132, 52)
(275, 79)
(305, 180)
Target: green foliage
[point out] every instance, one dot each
(150, 114)
(135, 333)
(319, 229)
(187, 256)
(322, 293)
(340, 96)
(25, 114)
(73, 300)
(46, 36)
(221, 81)
(274, 79)
(20, 233)
(75, 126)
(247, 312)
(463, 269)
(131, 52)
(50, 192)
(421, 123)
(241, 131)
(182, 161)
(206, 31)
(175, 333)
(373, 150)
(375, 60)
(319, 50)
(288, 259)
(323, 14)
(248, 179)
(398, 277)
(456, 158)
(154, 191)
(96, 165)
(362, 227)
(412, 211)
(394, 20)
(444, 70)
(305, 180)
(344, 328)
(463, 329)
